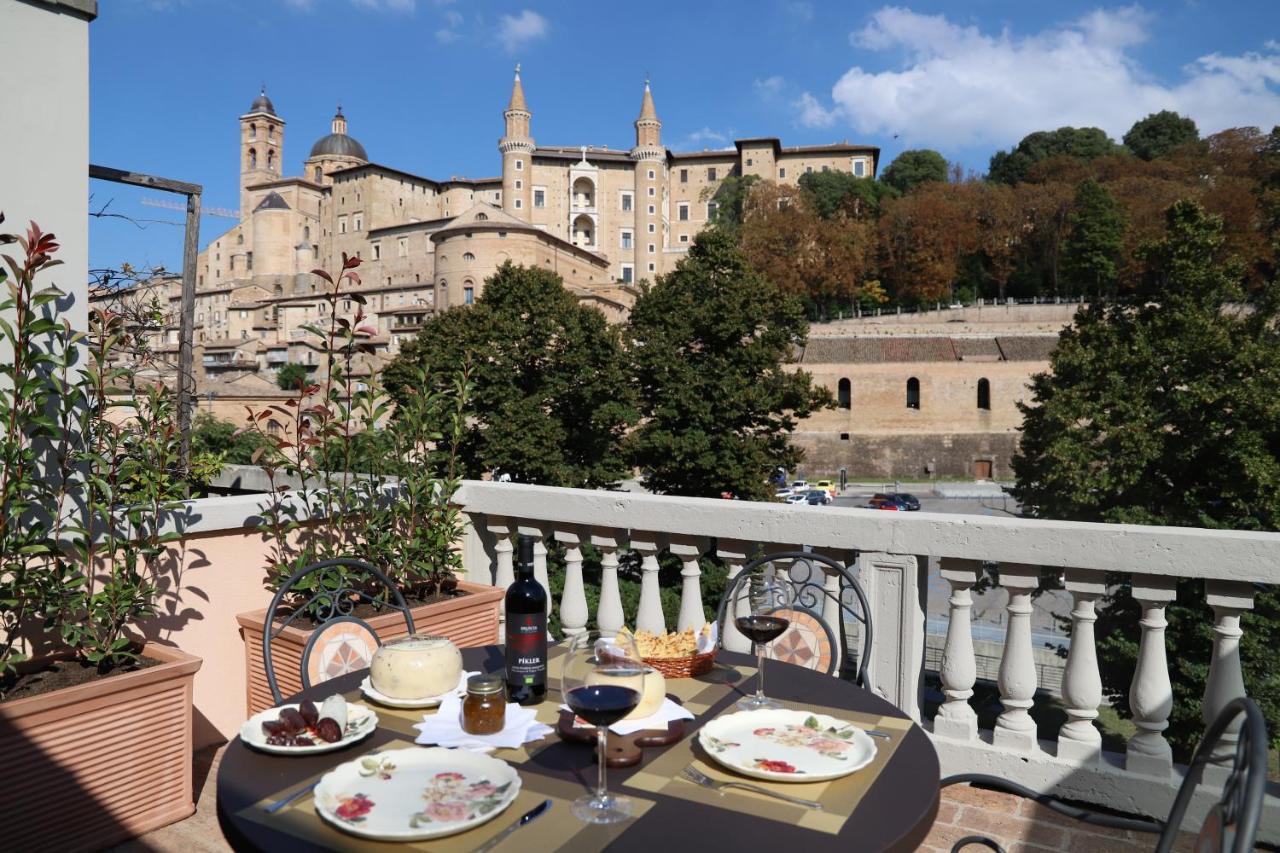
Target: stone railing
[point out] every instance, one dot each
(891, 553)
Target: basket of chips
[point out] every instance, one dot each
(677, 654)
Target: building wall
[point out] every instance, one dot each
(490, 249)
(906, 457)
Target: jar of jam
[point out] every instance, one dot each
(484, 711)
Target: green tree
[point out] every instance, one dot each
(223, 440)
(1160, 408)
(290, 375)
(1083, 143)
(835, 192)
(708, 346)
(730, 197)
(1091, 253)
(912, 168)
(550, 400)
(1159, 133)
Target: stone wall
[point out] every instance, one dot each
(907, 456)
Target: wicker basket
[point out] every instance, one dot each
(686, 667)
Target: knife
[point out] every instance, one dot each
(529, 816)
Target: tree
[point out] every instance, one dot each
(1084, 143)
(730, 197)
(214, 437)
(834, 192)
(291, 375)
(912, 168)
(550, 401)
(1160, 408)
(708, 346)
(923, 237)
(1091, 255)
(1159, 133)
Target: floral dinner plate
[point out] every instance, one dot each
(361, 722)
(371, 692)
(413, 794)
(787, 746)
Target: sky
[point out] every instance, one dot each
(424, 82)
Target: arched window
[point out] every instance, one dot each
(271, 159)
(253, 131)
(984, 394)
(306, 232)
(467, 256)
(481, 217)
(317, 174)
(913, 393)
(253, 158)
(845, 394)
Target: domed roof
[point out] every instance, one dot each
(338, 144)
(262, 104)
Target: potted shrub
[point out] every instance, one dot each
(374, 485)
(95, 726)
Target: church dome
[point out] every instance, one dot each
(262, 104)
(338, 144)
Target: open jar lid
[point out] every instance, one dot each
(484, 685)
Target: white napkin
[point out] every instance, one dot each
(707, 643)
(444, 728)
(668, 712)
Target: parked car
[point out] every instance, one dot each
(782, 494)
(909, 502)
(891, 506)
(818, 497)
(799, 487)
(798, 500)
(829, 486)
(880, 498)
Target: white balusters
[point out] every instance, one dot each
(649, 613)
(609, 617)
(1150, 693)
(1229, 599)
(1017, 677)
(539, 559)
(956, 718)
(688, 549)
(503, 572)
(832, 610)
(734, 553)
(573, 602)
(1079, 738)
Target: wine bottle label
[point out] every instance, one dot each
(527, 649)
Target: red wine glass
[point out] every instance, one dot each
(761, 619)
(603, 681)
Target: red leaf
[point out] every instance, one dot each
(324, 275)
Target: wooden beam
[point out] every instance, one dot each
(137, 179)
(186, 378)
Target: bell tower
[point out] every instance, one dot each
(261, 145)
(650, 160)
(517, 154)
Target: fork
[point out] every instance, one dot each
(699, 778)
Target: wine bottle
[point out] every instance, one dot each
(526, 605)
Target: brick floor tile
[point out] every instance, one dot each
(1011, 827)
(947, 812)
(944, 837)
(969, 795)
(1096, 842)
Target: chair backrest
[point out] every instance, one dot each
(342, 641)
(811, 596)
(1232, 822)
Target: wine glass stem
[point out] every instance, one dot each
(602, 750)
(760, 670)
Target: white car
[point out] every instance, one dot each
(783, 494)
(800, 487)
(798, 500)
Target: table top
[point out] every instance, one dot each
(895, 813)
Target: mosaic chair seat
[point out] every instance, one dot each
(342, 642)
(821, 587)
(1231, 825)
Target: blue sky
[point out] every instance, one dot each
(423, 82)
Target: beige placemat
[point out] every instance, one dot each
(839, 797)
(558, 829)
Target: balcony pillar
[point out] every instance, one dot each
(1229, 599)
(503, 572)
(832, 607)
(573, 602)
(734, 553)
(609, 615)
(1079, 738)
(895, 585)
(956, 718)
(688, 549)
(1150, 693)
(1017, 676)
(539, 558)
(649, 613)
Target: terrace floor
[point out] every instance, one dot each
(1020, 826)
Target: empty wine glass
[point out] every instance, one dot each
(759, 620)
(603, 681)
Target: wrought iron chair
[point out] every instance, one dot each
(808, 623)
(1232, 822)
(341, 639)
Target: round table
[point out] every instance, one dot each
(896, 813)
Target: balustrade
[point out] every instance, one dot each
(1079, 738)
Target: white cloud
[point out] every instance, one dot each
(386, 5)
(960, 86)
(811, 113)
(770, 87)
(515, 31)
(798, 11)
(449, 32)
(704, 138)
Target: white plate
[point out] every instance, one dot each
(787, 746)
(361, 722)
(371, 692)
(412, 794)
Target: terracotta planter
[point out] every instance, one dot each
(469, 620)
(90, 766)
